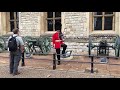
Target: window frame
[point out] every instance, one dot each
(15, 20)
(103, 18)
(53, 18)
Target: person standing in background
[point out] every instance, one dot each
(16, 51)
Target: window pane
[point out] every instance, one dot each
(17, 15)
(50, 25)
(97, 13)
(108, 12)
(57, 14)
(11, 15)
(108, 23)
(17, 24)
(50, 14)
(98, 23)
(11, 25)
(57, 28)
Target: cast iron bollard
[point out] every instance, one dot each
(92, 64)
(54, 61)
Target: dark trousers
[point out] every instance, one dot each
(63, 51)
(15, 58)
(23, 58)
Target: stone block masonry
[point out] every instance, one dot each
(76, 24)
(29, 23)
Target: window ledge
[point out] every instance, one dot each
(103, 32)
(49, 33)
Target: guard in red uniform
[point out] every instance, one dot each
(58, 42)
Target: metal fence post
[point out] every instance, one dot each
(92, 64)
(54, 61)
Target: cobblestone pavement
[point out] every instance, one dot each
(36, 68)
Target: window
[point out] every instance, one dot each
(103, 21)
(14, 20)
(52, 18)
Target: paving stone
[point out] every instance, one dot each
(36, 68)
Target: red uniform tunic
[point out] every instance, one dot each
(55, 37)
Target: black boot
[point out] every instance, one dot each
(59, 62)
(23, 64)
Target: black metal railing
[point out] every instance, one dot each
(92, 57)
(91, 62)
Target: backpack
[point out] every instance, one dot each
(12, 44)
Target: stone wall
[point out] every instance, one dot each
(29, 23)
(3, 25)
(77, 48)
(0, 25)
(76, 24)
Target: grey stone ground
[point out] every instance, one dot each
(43, 69)
(28, 72)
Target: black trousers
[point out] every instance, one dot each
(23, 58)
(63, 51)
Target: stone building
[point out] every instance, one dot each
(74, 24)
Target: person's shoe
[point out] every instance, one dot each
(58, 62)
(23, 64)
(11, 72)
(16, 73)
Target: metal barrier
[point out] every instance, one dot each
(92, 71)
(90, 56)
(92, 60)
(54, 61)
